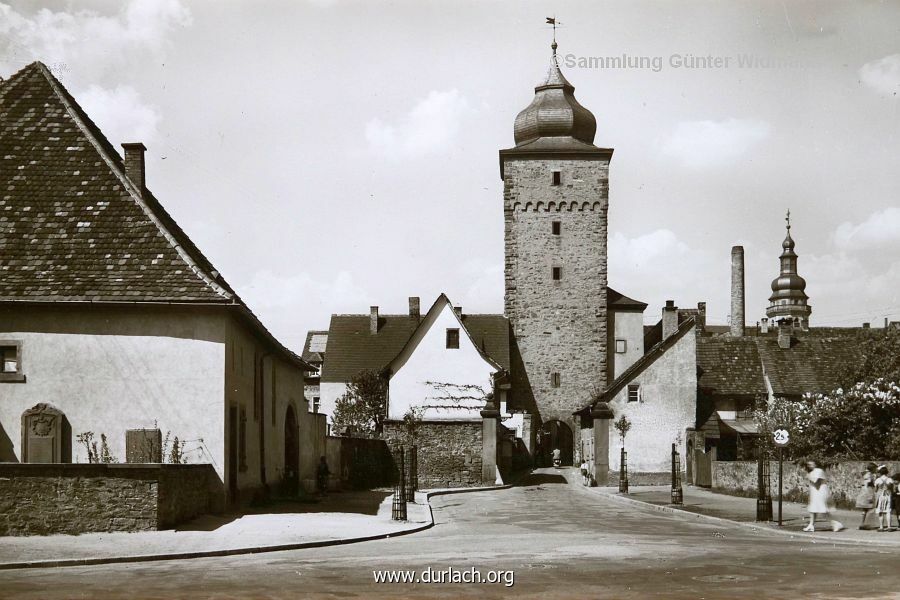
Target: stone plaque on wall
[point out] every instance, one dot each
(42, 433)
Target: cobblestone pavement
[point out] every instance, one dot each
(560, 541)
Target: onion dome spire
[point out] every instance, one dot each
(555, 118)
(789, 299)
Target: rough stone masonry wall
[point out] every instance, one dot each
(739, 478)
(449, 452)
(81, 498)
(559, 326)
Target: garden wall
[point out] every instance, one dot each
(43, 499)
(449, 452)
(739, 478)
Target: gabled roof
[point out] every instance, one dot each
(643, 362)
(620, 302)
(353, 348)
(73, 226)
(729, 366)
(440, 304)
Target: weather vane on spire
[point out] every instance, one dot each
(552, 21)
(788, 218)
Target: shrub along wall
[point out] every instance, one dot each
(43, 499)
(739, 478)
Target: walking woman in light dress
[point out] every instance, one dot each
(818, 497)
(865, 500)
(884, 488)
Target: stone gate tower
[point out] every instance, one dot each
(555, 200)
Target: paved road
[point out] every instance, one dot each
(560, 541)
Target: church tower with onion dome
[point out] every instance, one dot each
(789, 301)
(555, 201)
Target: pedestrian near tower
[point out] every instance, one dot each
(884, 488)
(819, 497)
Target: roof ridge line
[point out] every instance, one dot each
(129, 185)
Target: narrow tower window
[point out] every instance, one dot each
(556, 227)
(557, 273)
(557, 177)
(554, 379)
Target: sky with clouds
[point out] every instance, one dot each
(331, 155)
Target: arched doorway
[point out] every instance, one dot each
(555, 434)
(291, 453)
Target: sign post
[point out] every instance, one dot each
(781, 437)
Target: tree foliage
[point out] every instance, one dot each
(362, 407)
(877, 353)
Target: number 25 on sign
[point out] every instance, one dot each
(781, 436)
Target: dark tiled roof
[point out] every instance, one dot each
(620, 301)
(74, 228)
(352, 348)
(812, 363)
(729, 366)
(71, 224)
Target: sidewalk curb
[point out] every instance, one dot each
(82, 562)
(758, 528)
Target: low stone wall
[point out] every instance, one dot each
(449, 452)
(42, 499)
(739, 478)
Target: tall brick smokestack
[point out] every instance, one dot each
(737, 291)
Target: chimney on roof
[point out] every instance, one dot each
(866, 325)
(458, 311)
(701, 316)
(737, 291)
(784, 334)
(414, 306)
(669, 319)
(134, 164)
(373, 320)
(764, 325)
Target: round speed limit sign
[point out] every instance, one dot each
(781, 436)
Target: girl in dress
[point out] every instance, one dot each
(884, 488)
(865, 500)
(818, 497)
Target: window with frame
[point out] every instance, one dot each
(452, 338)
(556, 273)
(556, 227)
(554, 380)
(11, 361)
(557, 178)
(634, 392)
(621, 346)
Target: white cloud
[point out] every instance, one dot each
(657, 266)
(280, 301)
(882, 75)
(431, 125)
(879, 230)
(94, 44)
(120, 114)
(699, 144)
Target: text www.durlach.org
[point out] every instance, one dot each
(448, 575)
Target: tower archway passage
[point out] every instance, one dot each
(556, 434)
(291, 453)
